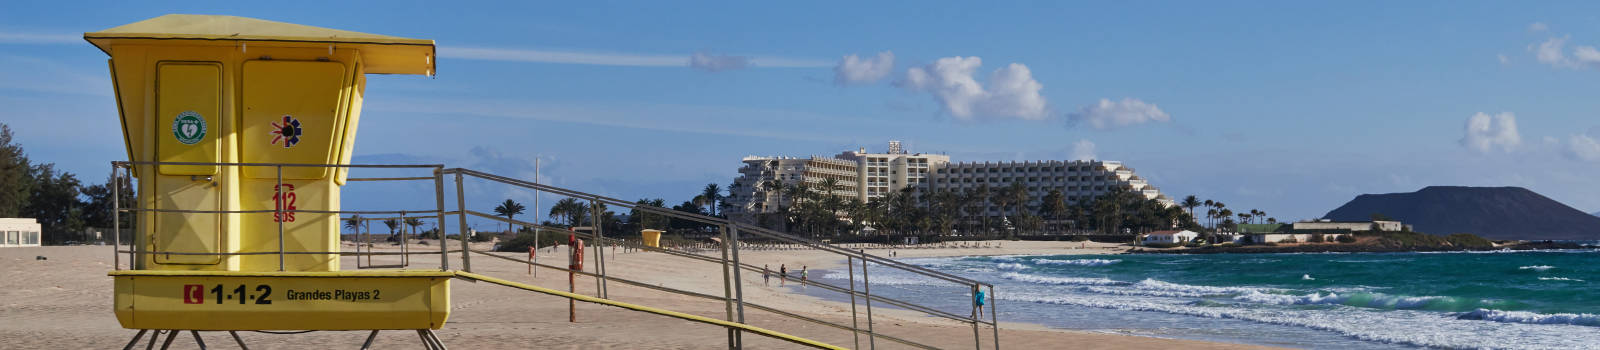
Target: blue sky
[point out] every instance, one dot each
(1292, 108)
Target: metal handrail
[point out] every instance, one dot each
(732, 246)
(700, 295)
(748, 267)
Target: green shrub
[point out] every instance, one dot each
(1161, 245)
(1317, 238)
(1079, 238)
(525, 240)
(1468, 240)
(1346, 239)
(1289, 240)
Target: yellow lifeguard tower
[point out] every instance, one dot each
(236, 129)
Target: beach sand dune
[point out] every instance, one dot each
(65, 302)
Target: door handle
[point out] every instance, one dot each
(198, 178)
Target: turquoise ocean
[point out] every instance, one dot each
(1498, 300)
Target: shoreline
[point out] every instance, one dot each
(66, 304)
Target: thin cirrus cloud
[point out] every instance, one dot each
(1108, 114)
(699, 60)
(40, 38)
(1486, 133)
(717, 63)
(854, 69)
(1011, 92)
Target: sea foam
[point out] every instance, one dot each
(1536, 267)
(1011, 267)
(1420, 328)
(1590, 320)
(1078, 262)
(1084, 281)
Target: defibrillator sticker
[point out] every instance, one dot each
(287, 132)
(189, 128)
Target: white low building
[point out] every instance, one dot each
(19, 232)
(1169, 237)
(1352, 226)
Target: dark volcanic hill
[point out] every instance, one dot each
(1491, 212)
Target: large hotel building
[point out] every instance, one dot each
(868, 176)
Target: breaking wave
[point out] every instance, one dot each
(1590, 320)
(1421, 328)
(1086, 281)
(1011, 266)
(1079, 262)
(1536, 267)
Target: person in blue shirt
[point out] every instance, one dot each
(978, 299)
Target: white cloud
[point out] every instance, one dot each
(855, 70)
(1553, 53)
(717, 63)
(1012, 91)
(1083, 150)
(1503, 59)
(1485, 133)
(40, 38)
(1584, 148)
(1538, 27)
(705, 61)
(1107, 114)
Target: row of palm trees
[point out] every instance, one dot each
(1219, 217)
(356, 223)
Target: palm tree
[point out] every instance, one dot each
(983, 198)
(712, 195)
(1017, 195)
(353, 223)
(573, 210)
(392, 224)
(413, 223)
(509, 209)
(1054, 205)
(1190, 203)
(1224, 214)
(1211, 215)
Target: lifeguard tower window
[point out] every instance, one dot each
(292, 115)
(189, 96)
(188, 105)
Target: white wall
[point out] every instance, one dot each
(20, 233)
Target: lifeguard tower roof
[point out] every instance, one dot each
(382, 54)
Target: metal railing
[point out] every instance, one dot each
(731, 237)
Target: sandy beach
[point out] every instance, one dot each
(65, 302)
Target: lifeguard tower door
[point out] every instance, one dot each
(189, 95)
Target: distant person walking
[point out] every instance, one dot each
(766, 275)
(783, 274)
(978, 298)
(802, 273)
